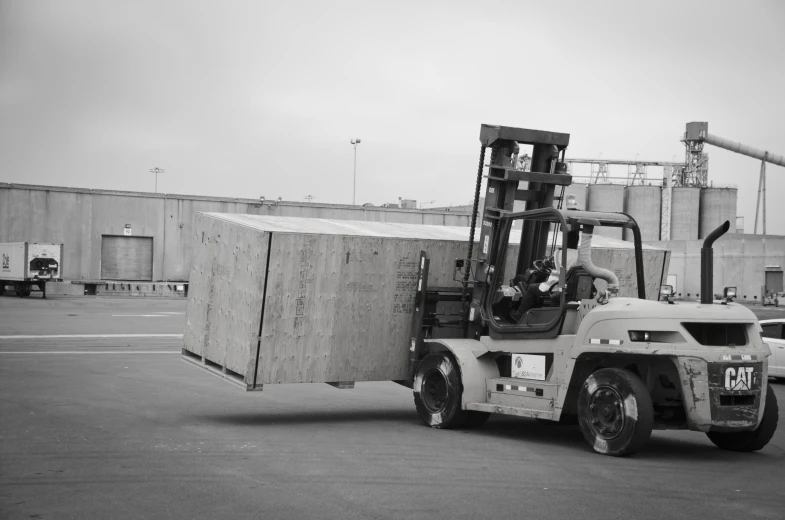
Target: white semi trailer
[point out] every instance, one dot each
(24, 265)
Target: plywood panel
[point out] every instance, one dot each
(126, 258)
(338, 308)
(225, 294)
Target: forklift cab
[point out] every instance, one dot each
(557, 310)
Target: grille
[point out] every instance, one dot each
(718, 334)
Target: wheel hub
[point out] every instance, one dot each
(606, 412)
(434, 391)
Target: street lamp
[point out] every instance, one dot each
(355, 142)
(156, 171)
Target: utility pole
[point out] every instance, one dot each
(156, 171)
(355, 142)
(309, 198)
(761, 201)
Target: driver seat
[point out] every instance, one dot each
(579, 285)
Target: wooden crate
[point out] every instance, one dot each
(294, 300)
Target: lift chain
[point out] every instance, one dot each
(468, 265)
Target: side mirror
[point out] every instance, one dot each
(729, 293)
(666, 293)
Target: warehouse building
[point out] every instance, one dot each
(121, 235)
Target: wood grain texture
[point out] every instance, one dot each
(225, 294)
(338, 307)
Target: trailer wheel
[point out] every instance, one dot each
(615, 412)
(752, 440)
(437, 394)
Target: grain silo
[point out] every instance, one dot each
(609, 198)
(685, 215)
(643, 204)
(717, 206)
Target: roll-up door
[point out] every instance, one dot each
(126, 258)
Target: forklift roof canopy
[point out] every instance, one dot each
(570, 216)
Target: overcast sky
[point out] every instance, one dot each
(243, 99)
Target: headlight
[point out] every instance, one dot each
(639, 335)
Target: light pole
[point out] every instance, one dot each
(156, 171)
(355, 142)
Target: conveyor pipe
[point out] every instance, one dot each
(743, 149)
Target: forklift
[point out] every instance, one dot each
(546, 335)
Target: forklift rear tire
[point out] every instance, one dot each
(615, 412)
(756, 439)
(438, 392)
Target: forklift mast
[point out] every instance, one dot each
(548, 170)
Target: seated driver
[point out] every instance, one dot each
(533, 292)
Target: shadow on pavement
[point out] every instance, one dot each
(339, 416)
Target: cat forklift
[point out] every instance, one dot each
(618, 366)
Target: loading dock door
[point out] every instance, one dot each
(774, 281)
(126, 258)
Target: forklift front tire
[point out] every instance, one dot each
(756, 439)
(438, 392)
(615, 412)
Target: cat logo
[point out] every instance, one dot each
(518, 362)
(6, 261)
(740, 378)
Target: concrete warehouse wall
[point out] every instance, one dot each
(739, 261)
(78, 218)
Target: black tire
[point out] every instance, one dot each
(615, 412)
(752, 440)
(437, 394)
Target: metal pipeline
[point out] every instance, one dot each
(584, 259)
(707, 263)
(743, 149)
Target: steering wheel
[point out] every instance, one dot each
(539, 265)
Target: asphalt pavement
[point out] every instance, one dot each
(100, 418)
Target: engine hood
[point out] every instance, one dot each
(633, 308)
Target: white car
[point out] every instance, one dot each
(774, 334)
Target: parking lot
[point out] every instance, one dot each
(100, 418)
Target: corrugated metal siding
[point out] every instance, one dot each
(126, 258)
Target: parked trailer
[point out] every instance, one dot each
(295, 300)
(25, 265)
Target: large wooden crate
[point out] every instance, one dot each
(295, 300)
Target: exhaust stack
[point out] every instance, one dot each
(707, 263)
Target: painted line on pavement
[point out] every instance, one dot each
(99, 352)
(140, 316)
(60, 336)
